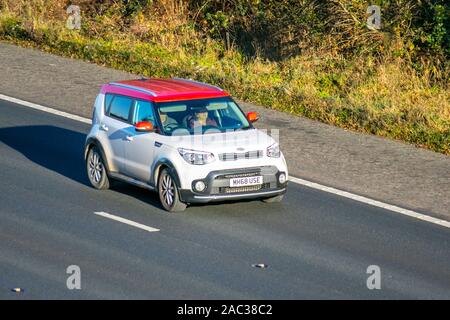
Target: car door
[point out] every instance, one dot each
(140, 146)
(116, 124)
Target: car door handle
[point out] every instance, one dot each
(129, 138)
(104, 127)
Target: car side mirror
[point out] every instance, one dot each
(144, 126)
(252, 116)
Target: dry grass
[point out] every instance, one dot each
(380, 95)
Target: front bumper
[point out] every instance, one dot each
(218, 185)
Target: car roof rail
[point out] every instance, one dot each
(198, 82)
(127, 86)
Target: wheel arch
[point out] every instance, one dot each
(159, 166)
(92, 142)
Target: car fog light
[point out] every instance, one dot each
(282, 178)
(199, 186)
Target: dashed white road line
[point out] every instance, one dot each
(126, 221)
(306, 183)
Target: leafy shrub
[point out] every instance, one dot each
(312, 58)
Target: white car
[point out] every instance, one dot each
(187, 140)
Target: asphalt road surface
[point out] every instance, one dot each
(315, 244)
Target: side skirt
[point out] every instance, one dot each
(132, 181)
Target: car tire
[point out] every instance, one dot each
(278, 198)
(96, 169)
(168, 192)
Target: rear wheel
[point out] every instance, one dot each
(168, 192)
(274, 199)
(96, 169)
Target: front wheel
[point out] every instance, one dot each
(168, 192)
(274, 199)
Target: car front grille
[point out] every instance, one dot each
(226, 190)
(233, 156)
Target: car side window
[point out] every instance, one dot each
(108, 99)
(120, 108)
(143, 111)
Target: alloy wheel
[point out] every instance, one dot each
(168, 190)
(95, 167)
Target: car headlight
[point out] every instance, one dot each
(196, 157)
(273, 151)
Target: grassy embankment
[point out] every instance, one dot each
(328, 66)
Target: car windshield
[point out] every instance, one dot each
(201, 116)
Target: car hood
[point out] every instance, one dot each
(234, 141)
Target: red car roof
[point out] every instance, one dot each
(164, 89)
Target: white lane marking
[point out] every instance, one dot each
(371, 202)
(45, 109)
(126, 221)
(307, 183)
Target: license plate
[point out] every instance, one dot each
(247, 181)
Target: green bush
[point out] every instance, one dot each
(312, 58)
(12, 28)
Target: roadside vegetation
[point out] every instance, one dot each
(312, 58)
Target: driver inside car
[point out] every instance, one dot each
(201, 118)
(166, 120)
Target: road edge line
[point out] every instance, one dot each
(372, 202)
(45, 109)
